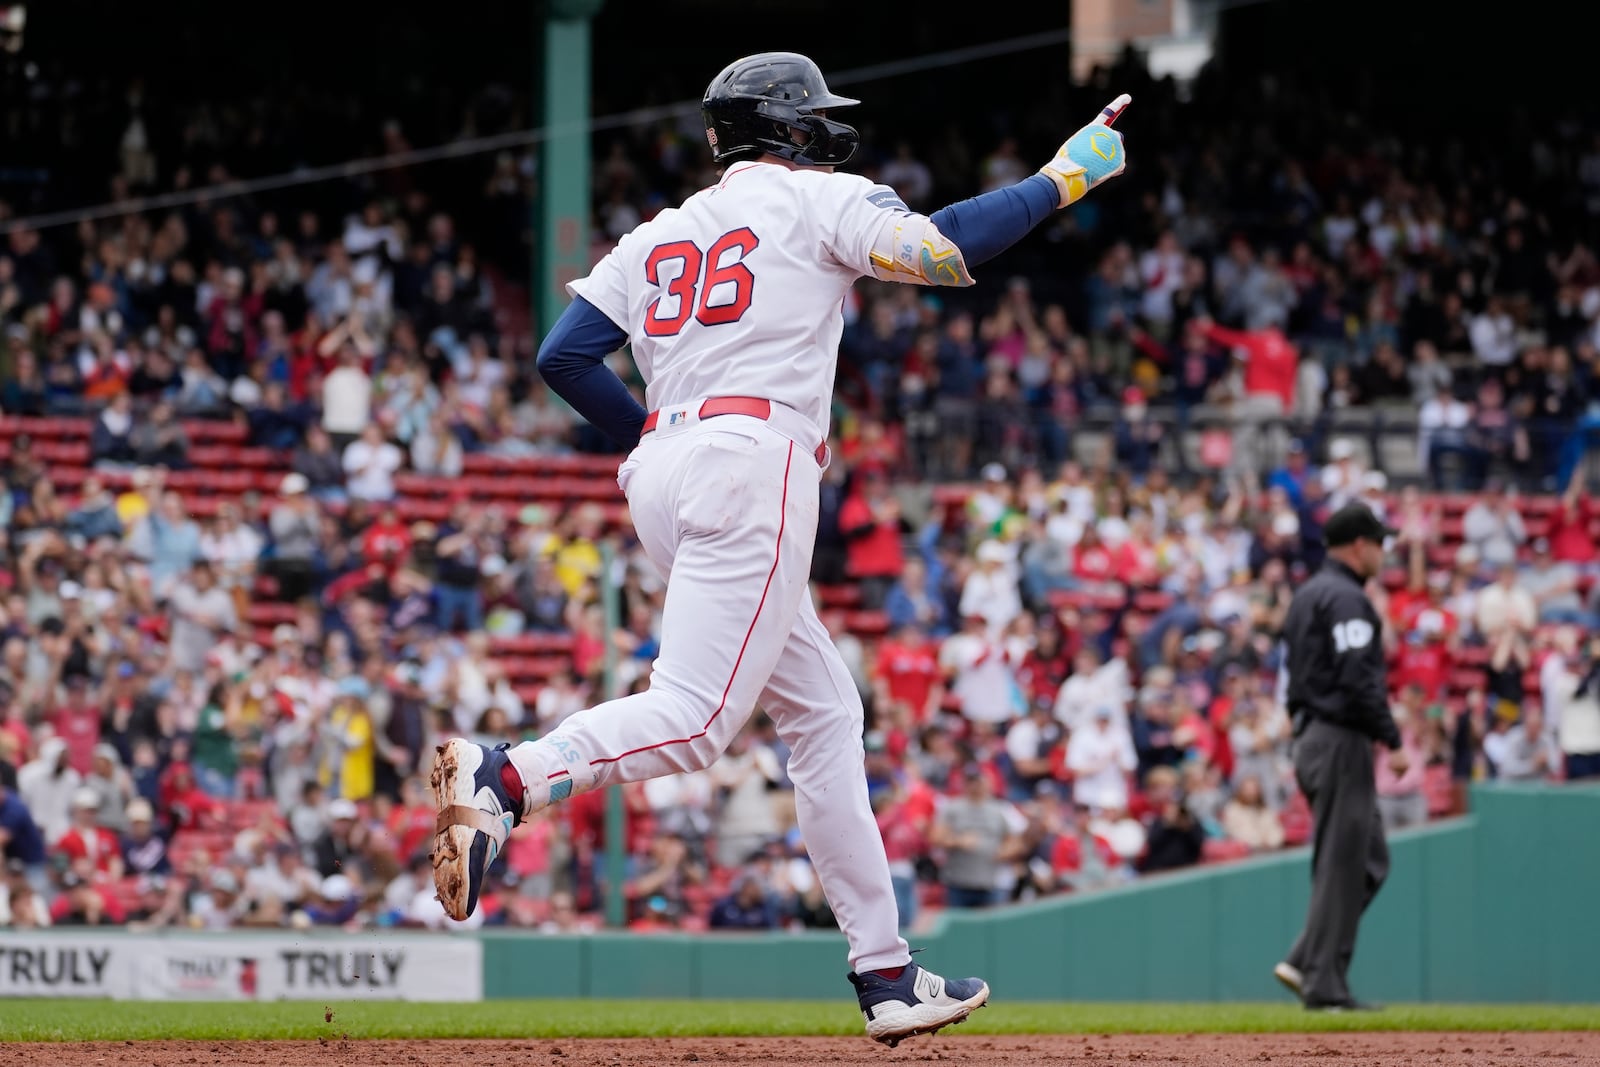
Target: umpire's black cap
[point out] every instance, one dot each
(1355, 522)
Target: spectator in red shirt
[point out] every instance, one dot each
(386, 541)
(1046, 665)
(233, 325)
(1407, 606)
(1135, 559)
(83, 903)
(412, 822)
(187, 805)
(89, 842)
(872, 527)
(905, 841)
(1092, 562)
(1271, 366)
(1424, 659)
(909, 680)
(1568, 534)
(77, 721)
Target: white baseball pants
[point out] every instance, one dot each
(726, 509)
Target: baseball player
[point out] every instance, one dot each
(732, 305)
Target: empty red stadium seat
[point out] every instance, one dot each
(1153, 601)
(1221, 850)
(845, 595)
(1296, 818)
(867, 623)
(215, 430)
(533, 644)
(1438, 787)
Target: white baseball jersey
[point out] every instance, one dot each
(740, 291)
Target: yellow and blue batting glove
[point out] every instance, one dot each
(1092, 155)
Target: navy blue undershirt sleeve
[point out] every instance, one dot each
(992, 222)
(572, 362)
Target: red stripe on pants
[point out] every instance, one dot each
(782, 521)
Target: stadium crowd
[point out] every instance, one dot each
(1058, 584)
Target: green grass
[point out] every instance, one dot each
(63, 1020)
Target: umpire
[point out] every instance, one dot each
(1339, 700)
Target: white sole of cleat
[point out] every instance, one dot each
(925, 1019)
(1291, 978)
(453, 770)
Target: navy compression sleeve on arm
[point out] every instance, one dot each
(992, 222)
(572, 362)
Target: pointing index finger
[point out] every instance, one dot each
(1112, 111)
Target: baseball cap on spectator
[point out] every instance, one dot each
(1430, 623)
(336, 887)
(70, 590)
(1467, 555)
(355, 686)
(294, 483)
(1286, 524)
(874, 741)
(1374, 482)
(283, 633)
(493, 566)
(1541, 547)
(533, 515)
(139, 810)
(1342, 448)
(1133, 397)
(106, 750)
(971, 770)
(994, 472)
(85, 797)
(223, 881)
(342, 809)
(992, 552)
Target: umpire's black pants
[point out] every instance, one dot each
(1349, 857)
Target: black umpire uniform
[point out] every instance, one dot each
(1338, 698)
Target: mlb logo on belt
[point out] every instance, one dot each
(676, 417)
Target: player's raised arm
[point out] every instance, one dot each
(939, 249)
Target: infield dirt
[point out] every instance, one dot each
(1208, 1050)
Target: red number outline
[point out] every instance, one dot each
(744, 282)
(682, 287)
(692, 290)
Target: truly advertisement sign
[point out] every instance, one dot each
(252, 967)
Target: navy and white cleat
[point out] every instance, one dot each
(476, 814)
(918, 1002)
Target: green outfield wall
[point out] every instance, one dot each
(1502, 905)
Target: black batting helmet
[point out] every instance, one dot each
(757, 102)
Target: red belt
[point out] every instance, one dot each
(753, 406)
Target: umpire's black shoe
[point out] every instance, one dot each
(1342, 1005)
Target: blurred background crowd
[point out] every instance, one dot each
(285, 503)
